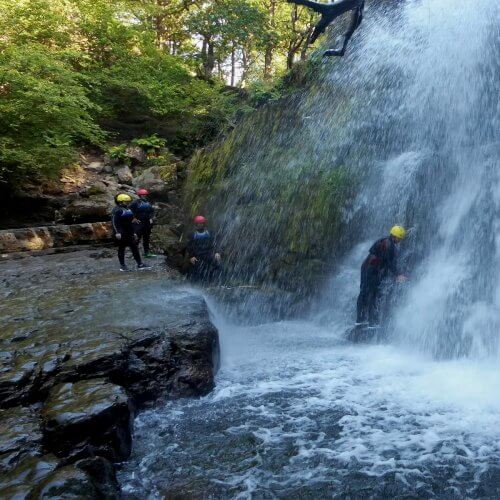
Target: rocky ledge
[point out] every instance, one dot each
(82, 349)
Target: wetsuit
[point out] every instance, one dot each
(201, 244)
(144, 213)
(329, 12)
(381, 260)
(122, 224)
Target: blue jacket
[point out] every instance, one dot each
(143, 210)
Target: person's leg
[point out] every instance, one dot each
(374, 287)
(146, 238)
(135, 252)
(362, 303)
(121, 254)
(357, 17)
(319, 29)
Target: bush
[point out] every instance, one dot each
(45, 113)
(151, 145)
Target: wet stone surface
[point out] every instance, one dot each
(90, 417)
(81, 347)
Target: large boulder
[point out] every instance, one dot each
(136, 155)
(86, 418)
(92, 209)
(124, 175)
(41, 238)
(151, 179)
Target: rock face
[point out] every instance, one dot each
(89, 347)
(42, 238)
(90, 417)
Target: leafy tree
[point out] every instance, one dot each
(44, 112)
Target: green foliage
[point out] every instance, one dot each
(151, 144)
(119, 153)
(73, 72)
(44, 112)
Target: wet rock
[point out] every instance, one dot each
(66, 482)
(86, 418)
(20, 436)
(31, 471)
(180, 363)
(124, 175)
(103, 476)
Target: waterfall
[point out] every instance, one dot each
(436, 170)
(401, 130)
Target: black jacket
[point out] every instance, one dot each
(383, 255)
(122, 221)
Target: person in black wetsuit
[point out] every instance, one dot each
(144, 214)
(203, 257)
(123, 230)
(381, 261)
(329, 12)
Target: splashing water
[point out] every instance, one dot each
(297, 411)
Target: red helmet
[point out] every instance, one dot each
(142, 192)
(199, 219)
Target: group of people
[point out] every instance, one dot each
(132, 223)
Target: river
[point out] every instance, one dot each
(299, 413)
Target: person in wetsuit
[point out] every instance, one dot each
(144, 214)
(203, 257)
(381, 261)
(329, 12)
(123, 231)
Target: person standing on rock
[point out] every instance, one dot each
(381, 261)
(123, 231)
(144, 214)
(203, 257)
(329, 12)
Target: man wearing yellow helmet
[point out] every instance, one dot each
(381, 261)
(123, 230)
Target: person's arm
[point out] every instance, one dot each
(116, 220)
(134, 207)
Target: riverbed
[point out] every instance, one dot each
(297, 412)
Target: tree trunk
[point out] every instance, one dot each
(207, 57)
(268, 55)
(233, 64)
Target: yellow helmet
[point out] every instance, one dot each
(122, 197)
(398, 232)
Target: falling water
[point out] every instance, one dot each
(413, 112)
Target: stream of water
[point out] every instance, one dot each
(300, 413)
